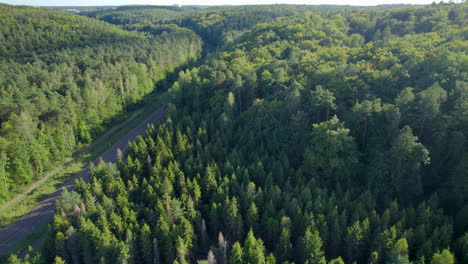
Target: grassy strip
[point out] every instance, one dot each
(28, 202)
(77, 163)
(22, 248)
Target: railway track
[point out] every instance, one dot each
(21, 228)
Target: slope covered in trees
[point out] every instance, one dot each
(79, 75)
(216, 25)
(130, 15)
(28, 30)
(318, 137)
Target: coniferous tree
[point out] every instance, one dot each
(145, 244)
(236, 254)
(311, 247)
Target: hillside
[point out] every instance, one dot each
(129, 15)
(312, 135)
(68, 79)
(28, 30)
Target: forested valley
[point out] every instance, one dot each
(65, 78)
(304, 134)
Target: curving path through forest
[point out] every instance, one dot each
(21, 228)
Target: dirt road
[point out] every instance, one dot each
(19, 230)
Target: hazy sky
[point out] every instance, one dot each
(206, 2)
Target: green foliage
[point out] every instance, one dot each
(445, 257)
(312, 130)
(311, 247)
(59, 260)
(236, 254)
(332, 156)
(68, 79)
(68, 201)
(338, 260)
(407, 156)
(131, 15)
(28, 30)
(254, 250)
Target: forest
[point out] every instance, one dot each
(65, 78)
(301, 134)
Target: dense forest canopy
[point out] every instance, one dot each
(64, 78)
(27, 31)
(130, 15)
(308, 135)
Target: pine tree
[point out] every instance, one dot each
(284, 246)
(182, 251)
(399, 253)
(311, 247)
(146, 247)
(254, 250)
(251, 218)
(236, 254)
(123, 253)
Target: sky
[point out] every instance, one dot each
(206, 2)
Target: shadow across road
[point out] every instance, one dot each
(21, 228)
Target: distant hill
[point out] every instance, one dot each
(126, 15)
(24, 30)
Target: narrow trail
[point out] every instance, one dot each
(21, 228)
(30, 189)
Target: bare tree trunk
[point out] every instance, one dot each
(156, 259)
(328, 111)
(365, 134)
(240, 99)
(203, 235)
(318, 114)
(211, 258)
(222, 248)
